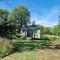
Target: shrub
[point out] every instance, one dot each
(6, 47)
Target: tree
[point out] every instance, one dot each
(3, 14)
(21, 16)
(3, 18)
(56, 30)
(33, 24)
(46, 30)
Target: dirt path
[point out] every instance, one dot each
(45, 54)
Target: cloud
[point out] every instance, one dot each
(49, 18)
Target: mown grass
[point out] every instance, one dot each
(41, 54)
(23, 44)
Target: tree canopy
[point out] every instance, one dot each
(3, 18)
(3, 14)
(20, 15)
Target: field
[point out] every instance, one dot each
(42, 54)
(31, 49)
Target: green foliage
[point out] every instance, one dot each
(12, 22)
(20, 16)
(23, 44)
(47, 30)
(56, 30)
(3, 18)
(6, 47)
(5, 50)
(3, 14)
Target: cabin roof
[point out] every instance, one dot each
(38, 27)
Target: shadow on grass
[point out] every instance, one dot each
(9, 36)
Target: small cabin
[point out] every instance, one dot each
(32, 32)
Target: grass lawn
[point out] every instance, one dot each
(41, 54)
(30, 45)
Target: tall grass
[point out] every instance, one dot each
(6, 47)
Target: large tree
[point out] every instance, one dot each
(3, 14)
(3, 18)
(21, 16)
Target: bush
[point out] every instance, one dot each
(56, 30)
(6, 47)
(47, 30)
(4, 50)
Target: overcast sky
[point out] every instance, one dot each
(43, 12)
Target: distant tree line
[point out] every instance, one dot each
(52, 31)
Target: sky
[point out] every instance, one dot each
(43, 12)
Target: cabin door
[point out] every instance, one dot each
(29, 33)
